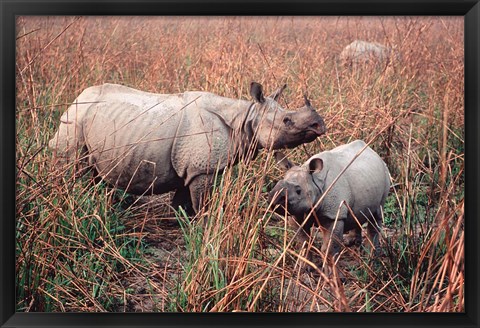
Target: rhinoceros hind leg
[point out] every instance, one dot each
(182, 198)
(199, 187)
(374, 228)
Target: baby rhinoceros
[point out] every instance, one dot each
(148, 143)
(354, 183)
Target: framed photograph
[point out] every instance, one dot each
(239, 163)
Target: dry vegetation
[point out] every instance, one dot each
(82, 246)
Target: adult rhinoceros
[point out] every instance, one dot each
(149, 143)
(360, 53)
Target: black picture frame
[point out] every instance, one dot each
(470, 9)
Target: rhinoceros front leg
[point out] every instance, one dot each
(199, 186)
(303, 235)
(374, 228)
(353, 237)
(332, 237)
(182, 198)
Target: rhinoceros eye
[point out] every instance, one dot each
(287, 121)
(298, 190)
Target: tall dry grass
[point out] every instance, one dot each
(82, 246)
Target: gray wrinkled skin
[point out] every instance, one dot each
(154, 143)
(364, 186)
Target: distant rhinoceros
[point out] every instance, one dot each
(362, 52)
(361, 188)
(147, 143)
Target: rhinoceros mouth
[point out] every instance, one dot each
(294, 140)
(290, 209)
(306, 136)
(297, 142)
(318, 130)
(313, 131)
(312, 135)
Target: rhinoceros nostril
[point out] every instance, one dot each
(317, 127)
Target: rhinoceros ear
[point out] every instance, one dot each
(256, 91)
(315, 165)
(276, 95)
(308, 104)
(282, 161)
